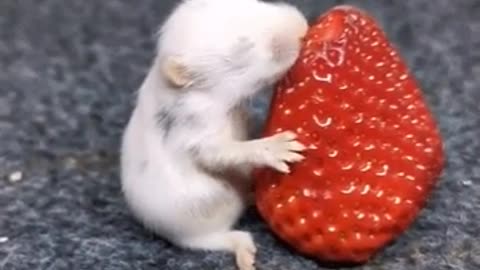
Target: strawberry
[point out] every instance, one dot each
(374, 150)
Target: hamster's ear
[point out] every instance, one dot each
(175, 70)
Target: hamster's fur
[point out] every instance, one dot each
(185, 156)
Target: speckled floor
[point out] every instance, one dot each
(68, 70)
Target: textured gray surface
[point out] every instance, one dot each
(68, 70)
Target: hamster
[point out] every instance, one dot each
(185, 154)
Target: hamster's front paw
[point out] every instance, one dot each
(280, 149)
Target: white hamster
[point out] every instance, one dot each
(185, 156)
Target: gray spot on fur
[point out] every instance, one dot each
(240, 54)
(165, 120)
(143, 165)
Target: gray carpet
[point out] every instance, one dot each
(68, 70)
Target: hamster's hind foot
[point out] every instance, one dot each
(239, 243)
(245, 252)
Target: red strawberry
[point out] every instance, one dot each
(374, 153)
